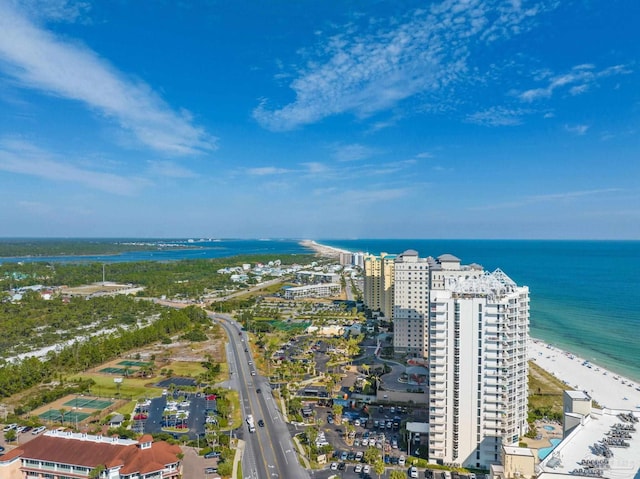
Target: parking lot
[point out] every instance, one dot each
(193, 422)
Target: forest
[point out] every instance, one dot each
(34, 323)
(64, 247)
(20, 375)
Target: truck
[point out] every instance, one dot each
(251, 423)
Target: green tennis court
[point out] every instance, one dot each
(70, 416)
(134, 363)
(120, 371)
(90, 403)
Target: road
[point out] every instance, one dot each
(269, 452)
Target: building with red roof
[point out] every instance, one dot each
(66, 455)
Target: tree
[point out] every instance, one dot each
(371, 455)
(225, 469)
(96, 471)
(10, 435)
(397, 475)
(378, 468)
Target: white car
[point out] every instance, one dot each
(413, 472)
(334, 466)
(366, 469)
(401, 460)
(358, 468)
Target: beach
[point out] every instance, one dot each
(608, 389)
(323, 250)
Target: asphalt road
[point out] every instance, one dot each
(269, 452)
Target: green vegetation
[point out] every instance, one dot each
(33, 322)
(63, 247)
(18, 376)
(545, 395)
(175, 279)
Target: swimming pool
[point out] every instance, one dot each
(545, 451)
(548, 428)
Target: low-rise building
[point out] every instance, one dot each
(66, 455)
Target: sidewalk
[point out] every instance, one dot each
(302, 453)
(237, 458)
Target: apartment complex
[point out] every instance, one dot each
(321, 290)
(472, 327)
(66, 455)
(378, 283)
(410, 304)
(478, 333)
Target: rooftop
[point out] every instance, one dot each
(579, 446)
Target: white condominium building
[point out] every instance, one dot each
(477, 337)
(378, 283)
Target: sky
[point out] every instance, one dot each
(509, 119)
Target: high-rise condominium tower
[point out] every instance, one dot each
(378, 283)
(478, 333)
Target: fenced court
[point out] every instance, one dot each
(137, 364)
(53, 415)
(88, 403)
(119, 371)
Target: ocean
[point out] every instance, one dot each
(585, 295)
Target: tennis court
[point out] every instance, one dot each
(70, 416)
(138, 364)
(119, 371)
(89, 403)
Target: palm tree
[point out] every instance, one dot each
(378, 468)
(62, 412)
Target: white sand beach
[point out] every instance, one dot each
(608, 389)
(323, 250)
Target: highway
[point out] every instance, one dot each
(269, 452)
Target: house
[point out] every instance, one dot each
(116, 420)
(59, 454)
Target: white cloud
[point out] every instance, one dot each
(38, 59)
(17, 156)
(170, 169)
(352, 152)
(577, 129)
(497, 116)
(266, 171)
(550, 197)
(578, 80)
(364, 72)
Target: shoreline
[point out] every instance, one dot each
(323, 250)
(609, 389)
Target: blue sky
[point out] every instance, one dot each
(320, 119)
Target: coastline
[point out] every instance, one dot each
(607, 388)
(323, 250)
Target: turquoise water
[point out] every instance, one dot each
(549, 428)
(585, 295)
(545, 451)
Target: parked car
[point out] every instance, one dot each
(211, 455)
(334, 466)
(413, 472)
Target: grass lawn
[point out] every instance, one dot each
(133, 388)
(127, 408)
(185, 368)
